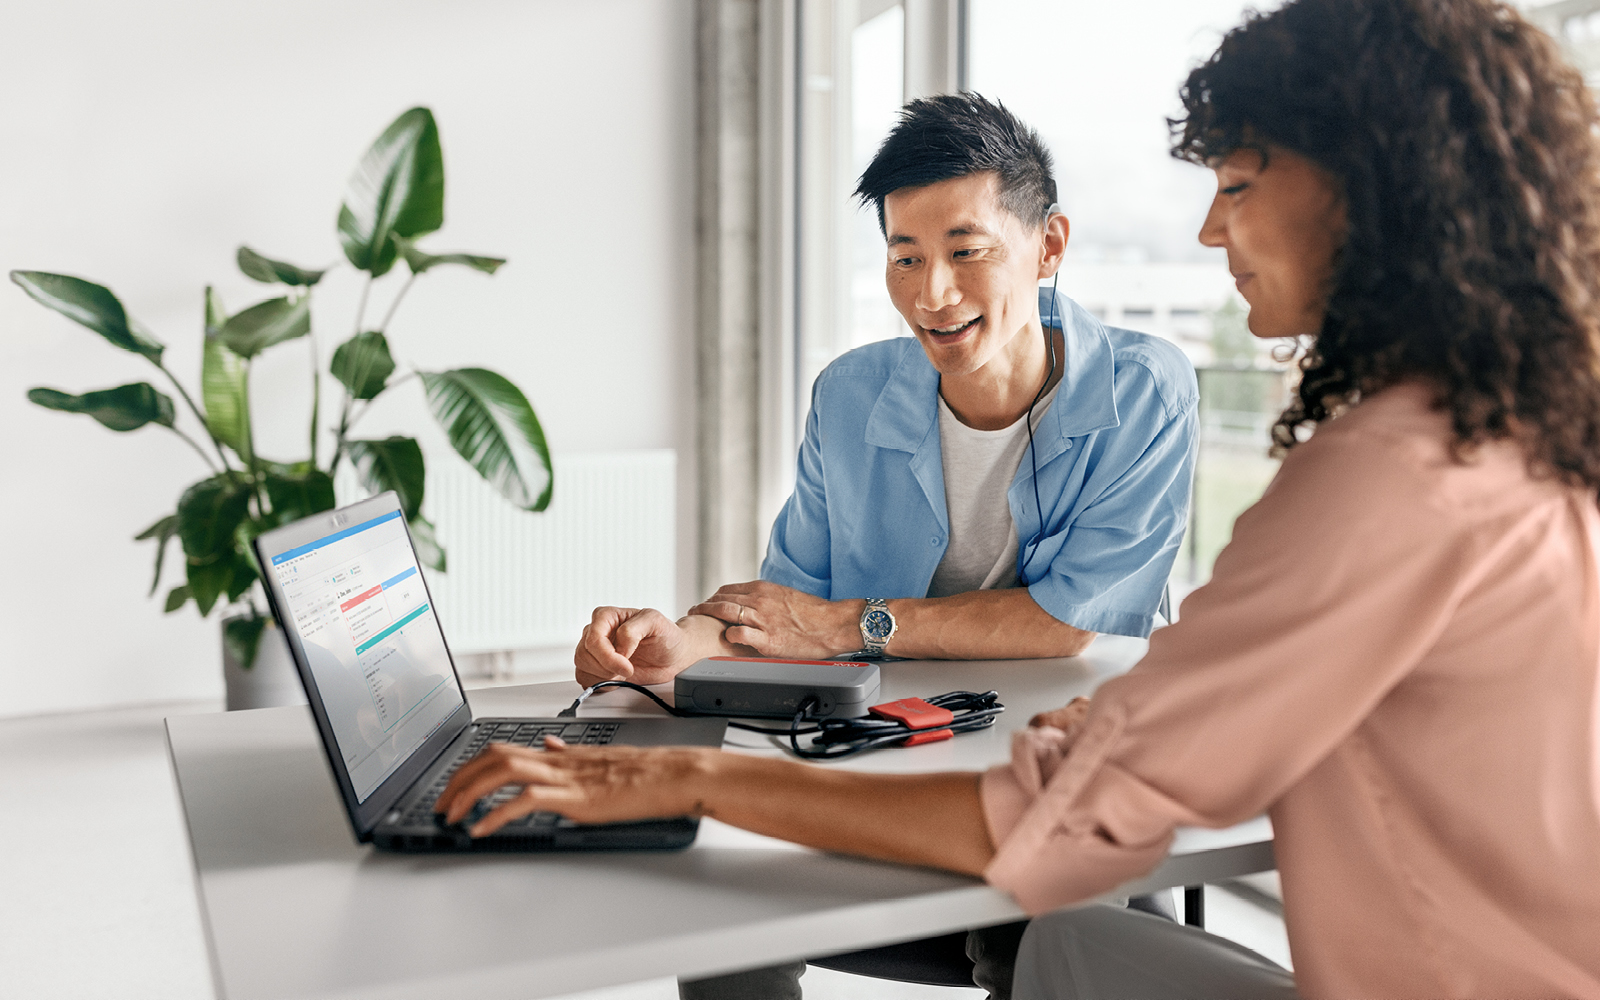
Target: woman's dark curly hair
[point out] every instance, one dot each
(1467, 152)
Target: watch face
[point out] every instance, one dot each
(876, 625)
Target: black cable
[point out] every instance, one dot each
(837, 738)
(571, 711)
(845, 737)
(1033, 458)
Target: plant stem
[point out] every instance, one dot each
(361, 308)
(316, 395)
(197, 449)
(384, 326)
(250, 458)
(197, 415)
(340, 432)
(367, 404)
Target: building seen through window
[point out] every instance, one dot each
(1099, 80)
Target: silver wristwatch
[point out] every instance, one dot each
(877, 626)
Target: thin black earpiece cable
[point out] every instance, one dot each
(1033, 458)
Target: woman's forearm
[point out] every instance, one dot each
(921, 819)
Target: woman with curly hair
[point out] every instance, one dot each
(1398, 656)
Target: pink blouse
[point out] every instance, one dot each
(1398, 658)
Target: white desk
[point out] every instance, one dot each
(294, 908)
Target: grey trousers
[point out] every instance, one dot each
(986, 956)
(1108, 953)
(989, 952)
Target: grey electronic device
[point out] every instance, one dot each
(728, 685)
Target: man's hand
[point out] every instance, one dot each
(780, 621)
(631, 644)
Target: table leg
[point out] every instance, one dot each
(1194, 905)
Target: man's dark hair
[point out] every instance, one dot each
(954, 135)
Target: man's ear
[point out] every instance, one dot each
(1056, 231)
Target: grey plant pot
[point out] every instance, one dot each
(272, 681)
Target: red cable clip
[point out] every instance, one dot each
(924, 736)
(914, 713)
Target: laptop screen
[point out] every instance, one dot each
(372, 642)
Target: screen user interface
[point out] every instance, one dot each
(372, 642)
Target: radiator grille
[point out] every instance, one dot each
(527, 581)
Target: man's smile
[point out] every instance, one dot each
(952, 332)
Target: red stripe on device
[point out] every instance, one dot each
(915, 713)
(817, 663)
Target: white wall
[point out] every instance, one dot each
(143, 142)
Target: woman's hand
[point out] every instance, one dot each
(1067, 718)
(919, 819)
(587, 784)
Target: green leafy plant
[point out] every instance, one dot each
(394, 197)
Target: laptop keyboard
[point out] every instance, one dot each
(527, 734)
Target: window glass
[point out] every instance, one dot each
(878, 77)
(1098, 80)
(854, 86)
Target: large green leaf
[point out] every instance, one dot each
(429, 552)
(491, 424)
(267, 323)
(125, 408)
(224, 386)
(230, 573)
(247, 531)
(162, 531)
(209, 512)
(209, 581)
(392, 464)
(215, 314)
(244, 574)
(270, 271)
(396, 190)
(363, 364)
(91, 305)
(294, 497)
(242, 637)
(419, 261)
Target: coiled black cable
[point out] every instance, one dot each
(836, 738)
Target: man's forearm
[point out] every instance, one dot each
(774, 620)
(704, 636)
(981, 625)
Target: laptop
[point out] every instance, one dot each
(349, 592)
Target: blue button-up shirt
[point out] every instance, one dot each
(1115, 454)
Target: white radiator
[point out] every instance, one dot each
(523, 581)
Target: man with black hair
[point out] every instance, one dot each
(1007, 484)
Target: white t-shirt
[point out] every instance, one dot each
(979, 467)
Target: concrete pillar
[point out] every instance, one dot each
(728, 307)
